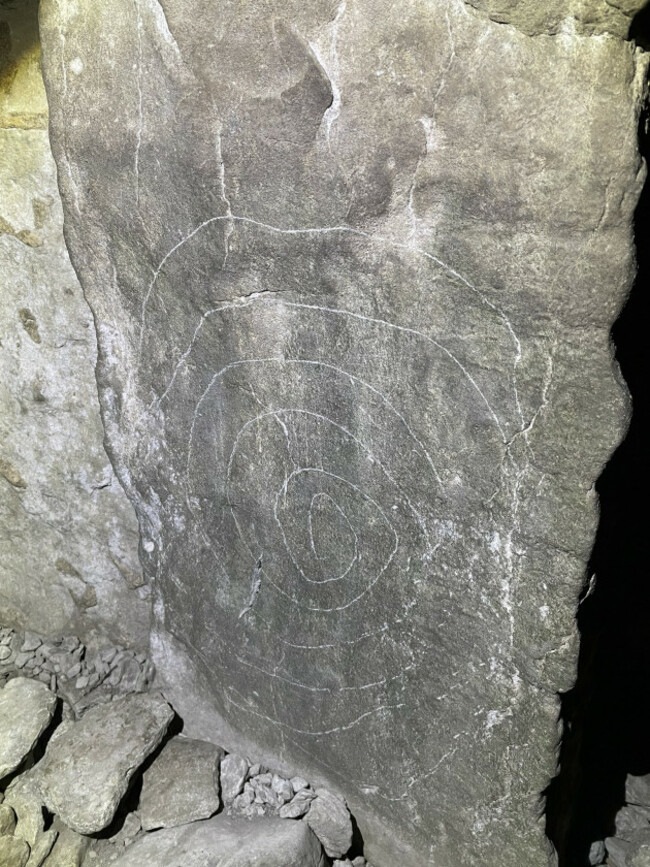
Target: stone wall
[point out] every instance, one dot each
(353, 268)
(68, 536)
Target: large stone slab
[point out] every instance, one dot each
(182, 784)
(88, 765)
(68, 535)
(353, 268)
(227, 842)
(26, 709)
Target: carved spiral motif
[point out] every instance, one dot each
(324, 482)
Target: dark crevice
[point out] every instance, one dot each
(606, 716)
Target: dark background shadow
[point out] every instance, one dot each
(606, 715)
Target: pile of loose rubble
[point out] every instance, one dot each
(630, 846)
(92, 773)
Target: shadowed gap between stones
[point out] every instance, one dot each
(606, 716)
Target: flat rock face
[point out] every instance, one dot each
(68, 535)
(88, 765)
(226, 842)
(26, 708)
(181, 785)
(353, 267)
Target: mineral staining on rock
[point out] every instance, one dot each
(89, 764)
(356, 375)
(182, 784)
(26, 708)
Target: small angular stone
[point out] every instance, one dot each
(87, 769)
(23, 795)
(69, 849)
(132, 825)
(31, 642)
(22, 659)
(26, 708)
(108, 655)
(298, 783)
(329, 819)
(282, 788)
(7, 820)
(234, 770)
(42, 848)
(181, 785)
(13, 852)
(298, 806)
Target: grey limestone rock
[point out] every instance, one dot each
(25, 798)
(13, 852)
(68, 535)
(181, 785)
(26, 709)
(7, 819)
(329, 819)
(233, 774)
(69, 849)
(226, 842)
(42, 848)
(353, 268)
(88, 764)
(637, 790)
(298, 806)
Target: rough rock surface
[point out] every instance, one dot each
(232, 776)
(353, 268)
(26, 800)
(13, 852)
(69, 848)
(329, 819)
(7, 820)
(226, 842)
(68, 535)
(181, 785)
(26, 708)
(88, 765)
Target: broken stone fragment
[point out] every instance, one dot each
(31, 642)
(88, 767)
(132, 825)
(224, 841)
(26, 709)
(42, 848)
(329, 819)
(181, 785)
(282, 788)
(7, 820)
(23, 795)
(69, 849)
(298, 806)
(13, 852)
(234, 770)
